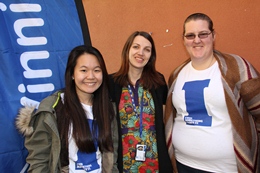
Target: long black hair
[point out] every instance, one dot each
(150, 77)
(72, 114)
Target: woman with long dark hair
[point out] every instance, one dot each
(140, 92)
(72, 129)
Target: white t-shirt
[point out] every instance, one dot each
(202, 134)
(80, 162)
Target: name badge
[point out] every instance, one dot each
(140, 152)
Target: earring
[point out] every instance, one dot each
(72, 78)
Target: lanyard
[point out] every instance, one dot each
(141, 109)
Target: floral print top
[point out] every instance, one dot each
(130, 125)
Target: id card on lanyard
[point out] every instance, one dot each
(140, 148)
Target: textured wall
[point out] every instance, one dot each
(236, 22)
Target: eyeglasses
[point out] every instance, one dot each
(200, 35)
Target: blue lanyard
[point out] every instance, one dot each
(141, 109)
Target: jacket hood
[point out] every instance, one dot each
(23, 120)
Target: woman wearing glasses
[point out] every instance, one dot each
(213, 107)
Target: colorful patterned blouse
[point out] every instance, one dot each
(130, 125)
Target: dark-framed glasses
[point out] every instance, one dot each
(200, 35)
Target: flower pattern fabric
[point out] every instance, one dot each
(130, 125)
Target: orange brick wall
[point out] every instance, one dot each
(236, 22)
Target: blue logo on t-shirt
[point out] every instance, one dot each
(87, 161)
(195, 104)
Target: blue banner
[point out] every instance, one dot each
(35, 40)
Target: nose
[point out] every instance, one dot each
(197, 39)
(140, 51)
(90, 74)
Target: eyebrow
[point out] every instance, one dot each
(83, 66)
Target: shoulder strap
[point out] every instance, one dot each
(56, 102)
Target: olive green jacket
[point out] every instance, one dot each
(42, 139)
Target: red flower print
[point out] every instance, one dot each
(148, 120)
(132, 155)
(125, 98)
(149, 166)
(137, 123)
(129, 142)
(128, 109)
